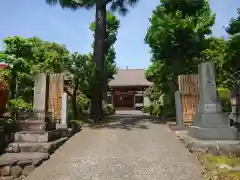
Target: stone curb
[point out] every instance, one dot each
(217, 148)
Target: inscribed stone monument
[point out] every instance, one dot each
(40, 100)
(210, 123)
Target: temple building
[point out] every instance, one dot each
(127, 89)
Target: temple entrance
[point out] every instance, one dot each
(124, 100)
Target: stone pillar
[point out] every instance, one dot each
(39, 121)
(210, 123)
(179, 115)
(40, 101)
(64, 112)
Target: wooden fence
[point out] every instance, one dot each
(189, 89)
(56, 89)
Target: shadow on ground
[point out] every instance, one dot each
(140, 121)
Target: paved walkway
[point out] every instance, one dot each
(148, 151)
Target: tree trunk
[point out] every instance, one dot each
(74, 104)
(13, 83)
(98, 57)
(105, 84)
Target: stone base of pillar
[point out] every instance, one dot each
(61, 126)
(211, 120)
(212, 126)
(178, 128)
(217, 133)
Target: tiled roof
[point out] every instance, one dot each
(130, 77)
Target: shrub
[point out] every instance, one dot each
(146, 109)
(224, 96)
(82, 102)
(108, 110)
(156, 110)
(16, 105)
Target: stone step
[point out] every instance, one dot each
(35, 147)
(40, 136)
(33, 125)
(33, 136)
(20, 164)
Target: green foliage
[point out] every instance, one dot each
(115, 5)
(99, 53)
(82, 102)
(76, 125)
(15, 105)
(79, 68)
(224, 96)
(5, 74)
(155, 109)
(176, 37)
(42, 56)
(231, 65)
(146, 109)
(28, 56)
(112, 26)
(234, 25)
(216, 52)
(108, 110)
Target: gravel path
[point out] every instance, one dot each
(147, 152)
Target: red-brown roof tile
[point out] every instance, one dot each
(130, 77)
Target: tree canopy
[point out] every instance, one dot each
(29, 56)
(99, 52)
(176, 37)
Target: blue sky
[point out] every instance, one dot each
(29, 18)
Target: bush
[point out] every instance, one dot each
(146, 109)
(153, 109)
(108, 110)
(16, 105)
(82, 102)
(156, 110)
(224, 96)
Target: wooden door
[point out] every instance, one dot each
(123, 101)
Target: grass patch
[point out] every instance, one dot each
(231, 161)
(213, 172)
